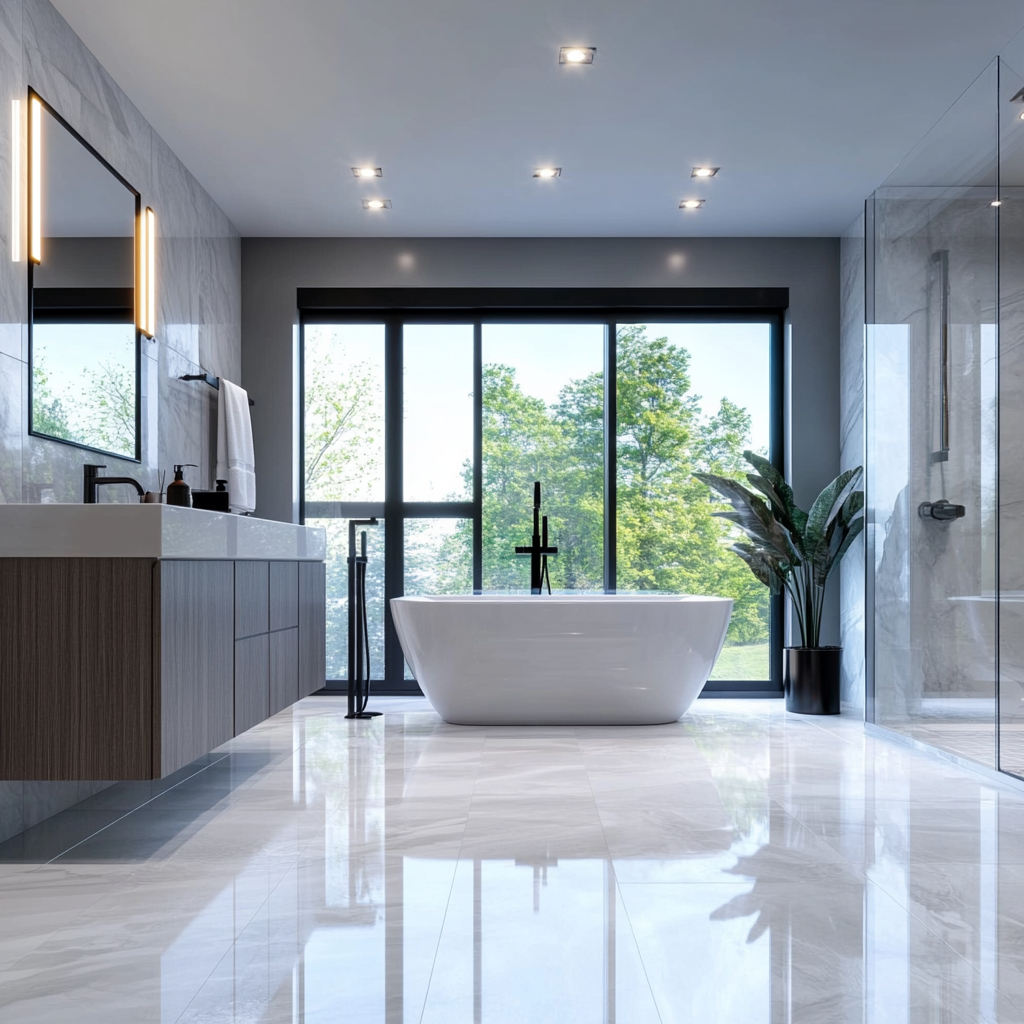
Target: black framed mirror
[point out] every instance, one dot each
(84, 344)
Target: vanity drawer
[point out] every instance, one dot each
(284, 595)
(252, 598)
(252, 682)
(284, 669)
(312, 627)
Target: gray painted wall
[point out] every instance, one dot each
(198, 291)
(273, 268)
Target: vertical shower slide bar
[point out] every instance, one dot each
(941, 258)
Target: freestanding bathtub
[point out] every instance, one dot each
(611, 659)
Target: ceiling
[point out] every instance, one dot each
(805, 104)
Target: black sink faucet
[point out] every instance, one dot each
(92, 482)
(538, 550)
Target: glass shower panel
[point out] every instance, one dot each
(932, 433)
(1011, 414)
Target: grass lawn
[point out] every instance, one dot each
(747, 661)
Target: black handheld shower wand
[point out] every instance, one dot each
(358, 625)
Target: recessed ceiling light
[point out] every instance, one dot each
(704, 172)
(996, 202)
(548, 172)
(576, 54)
(376, 204)
(1022, 117)
(691, 204)
(367, 172)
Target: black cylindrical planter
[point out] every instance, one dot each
(810, 679)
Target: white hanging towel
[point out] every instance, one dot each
(235, 460)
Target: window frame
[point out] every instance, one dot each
(395, 307)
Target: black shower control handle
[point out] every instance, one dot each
(943, 511)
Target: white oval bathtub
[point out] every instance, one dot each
(599, 659)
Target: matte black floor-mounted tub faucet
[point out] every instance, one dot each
(538, 550)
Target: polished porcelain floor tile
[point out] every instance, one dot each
(740, 865)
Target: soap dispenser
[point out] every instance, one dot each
(179, 492)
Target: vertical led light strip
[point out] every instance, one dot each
(142, 259)
(16, 180)
(150, 272)
(35, 245)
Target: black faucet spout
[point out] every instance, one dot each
(93, 480)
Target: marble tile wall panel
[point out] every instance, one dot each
(198, 315)
(851, 439)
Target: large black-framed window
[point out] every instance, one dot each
(379, 320)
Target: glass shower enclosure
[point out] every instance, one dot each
(944, 426)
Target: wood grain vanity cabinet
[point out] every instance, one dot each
(130, 668)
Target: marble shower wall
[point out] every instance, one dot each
(198, 292)
(851, 440)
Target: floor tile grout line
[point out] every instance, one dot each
(451, 887)
(615, 875)
(237, 933)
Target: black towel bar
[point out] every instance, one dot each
(206, 378)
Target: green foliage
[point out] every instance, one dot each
(48, 413)
(112, 412)
(103, 416)
(792, 550)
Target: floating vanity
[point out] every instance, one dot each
(136, 638)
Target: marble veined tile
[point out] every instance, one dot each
(401, 869)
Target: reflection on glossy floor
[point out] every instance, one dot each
(967, 729)
(739, 866)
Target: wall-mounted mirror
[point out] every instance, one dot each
(83, 341)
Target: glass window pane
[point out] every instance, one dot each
(343, 379)
(438, 406)
(438, 558)
(543, 408)
(691, 397)
(337, 595)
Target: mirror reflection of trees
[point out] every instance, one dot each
(83, 396)
(668, 539)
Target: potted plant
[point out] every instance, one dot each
(795, 551)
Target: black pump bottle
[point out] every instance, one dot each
(179, 492)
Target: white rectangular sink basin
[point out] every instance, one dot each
(151, 531)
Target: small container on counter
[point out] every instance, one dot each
(178, 492)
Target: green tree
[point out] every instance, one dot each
(48, 413)
(110, 411)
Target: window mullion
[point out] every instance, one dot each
(610, 452)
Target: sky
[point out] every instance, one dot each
(726, 360)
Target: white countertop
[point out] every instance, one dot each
(151, 531)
